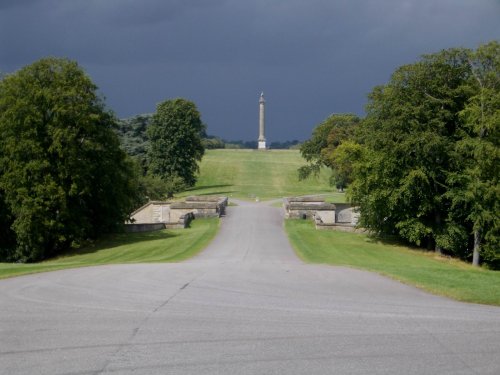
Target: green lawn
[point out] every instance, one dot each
(250, 174)
(158, 246)
(439, 275)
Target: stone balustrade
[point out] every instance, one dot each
(339, 216)
(178, 214)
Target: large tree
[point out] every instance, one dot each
(424, 163)
(475, 187)
(428, 170)
(175, 136)
(326, 137)
(63, 176)
(409, 135)
(133, 135)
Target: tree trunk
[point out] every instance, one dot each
(477, 247)
(437, 248)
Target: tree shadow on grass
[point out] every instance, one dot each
(117, 239)
(203, 187)
(393, 240)
(218, 193)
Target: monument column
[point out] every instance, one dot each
(262, 139)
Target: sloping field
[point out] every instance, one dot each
(250, 174)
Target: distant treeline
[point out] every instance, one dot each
(295, 144)
(132, 132)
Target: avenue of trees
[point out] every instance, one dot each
(64, 177)
(423, 165)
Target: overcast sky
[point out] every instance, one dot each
(310, 57)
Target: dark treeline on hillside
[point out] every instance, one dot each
(286, 145)
(132, 132)
(423, 165)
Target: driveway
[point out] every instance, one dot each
(246, 305)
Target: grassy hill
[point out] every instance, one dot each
(250, 174)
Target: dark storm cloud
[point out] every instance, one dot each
(5, 4)
(310, 57)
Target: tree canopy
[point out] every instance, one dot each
(63, 176)
(429, 172)
(175, 136)
(326, 137)
(132, 132)
(475, 187)
(410, 130)
(423, 164)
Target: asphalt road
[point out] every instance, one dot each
(246, 305)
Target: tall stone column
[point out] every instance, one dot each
(262, 138)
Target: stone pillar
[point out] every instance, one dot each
(262, 139)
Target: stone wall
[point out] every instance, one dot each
(176, 214)
(339, 216)
(152, 212)
(319, 224)
(182, 222)
(346, 214)
(143, 214)
(199, 208)
(204, 198)
(306, 207)
(326, 216)
(308, 199)
(134, 228)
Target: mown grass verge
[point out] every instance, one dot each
(159, 246)
(439, 275)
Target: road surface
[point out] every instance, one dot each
(246, 305)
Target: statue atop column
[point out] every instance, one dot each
(262, 138)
